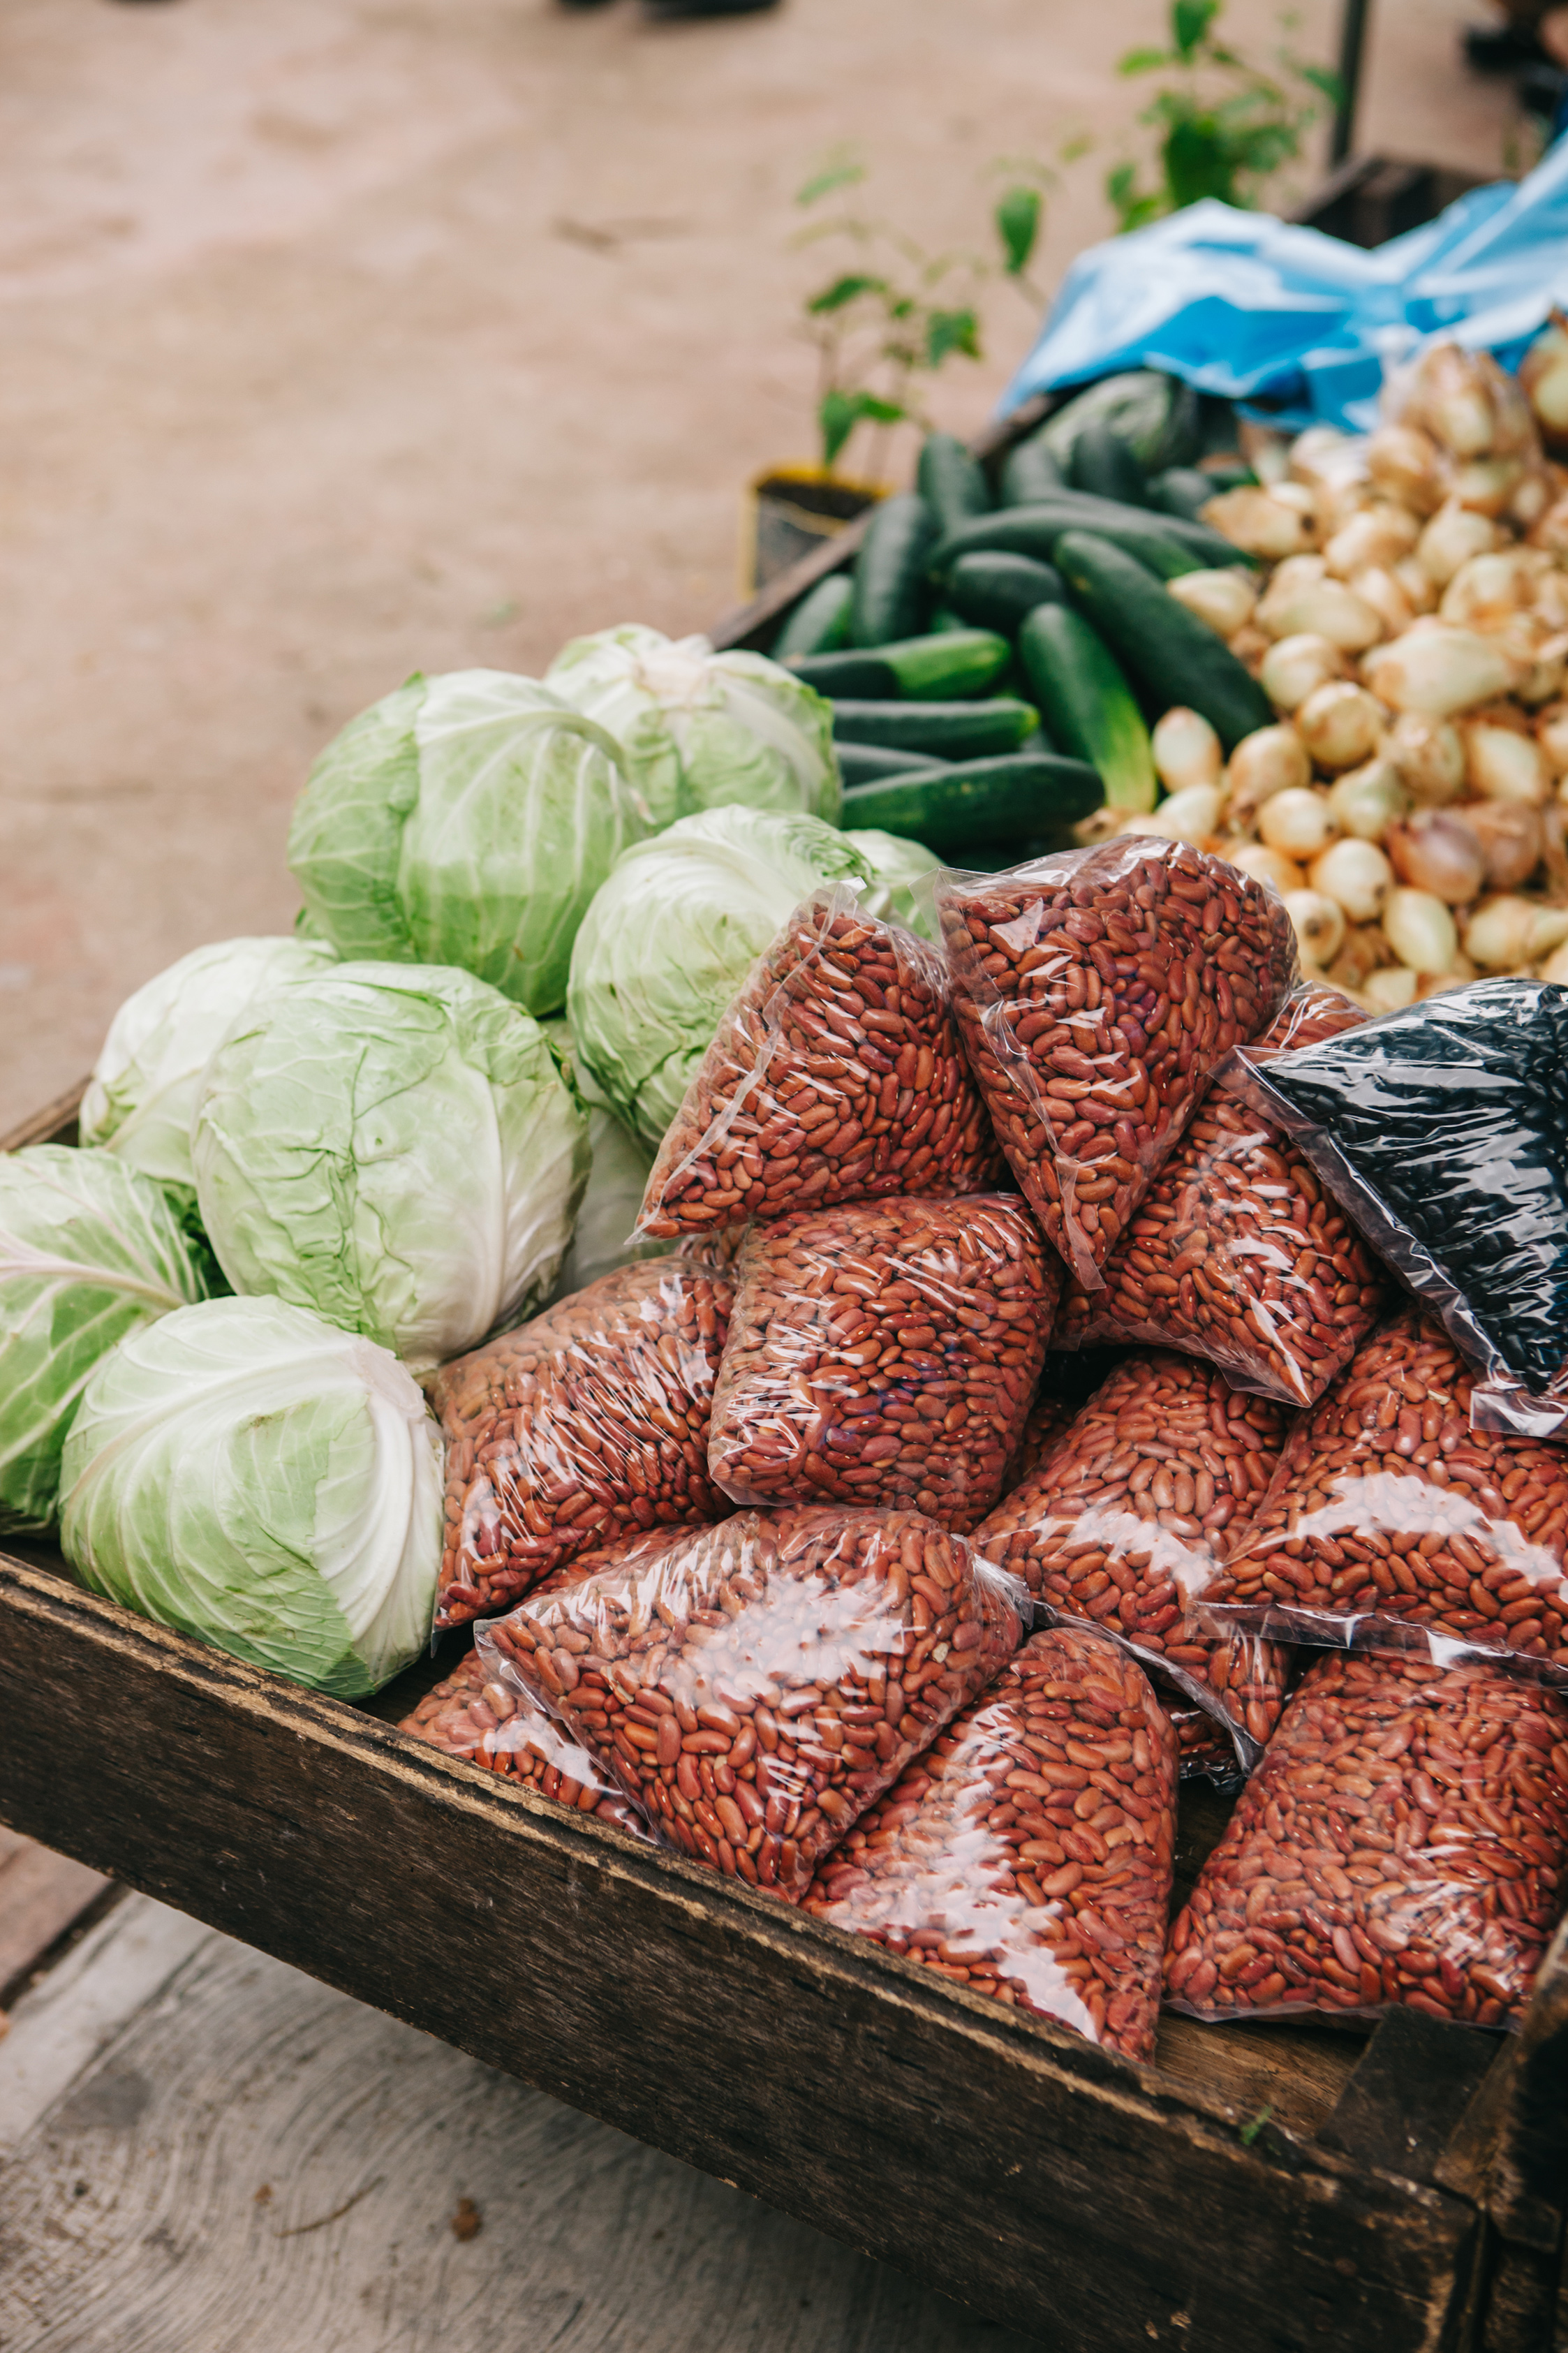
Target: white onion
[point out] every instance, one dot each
(1266, 865)
(1403, 464)
(1416, 583)
(1543, 378)
(1321, 607)
(1187, 750)
(1504, 765)
(1190, 815)
(1429, 754)
(1378, 535)
(1485, 590)
(1438, 670)
(1259, 522)
(1505, 933)
(1437, 852)
(1340, 725)
(1383, 590)
(1269, 761)
(1367, 801)
(1420, 930)
(1294, 667)
(1223, 599)
(1512, 837)
(1555, 966)
(1320, 924)
(1389, 989)
(1486, 485)
(1551, 734)
(1357, 874)
(1451, 538)
(1544, 665)
(1298, 822)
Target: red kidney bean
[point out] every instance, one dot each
(587, 1424)
(1151, 1479)
(1096, 993)
(837, 1075)
(1048, 1418)
(883, 1352)
(1403, 1844)
(1028, 1854)
(473, 1716)
(1238, 1252)
(757, 1685)
(1389, 1524)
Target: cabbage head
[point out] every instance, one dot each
(466, 820)
(669, 939)
(144, 1090)
(89, 1250)
(699, 730)
(252, 1476)
(898, 865)
(602, 1238)
(393, 1146)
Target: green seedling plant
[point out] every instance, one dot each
(902, 313)
(1222, 126)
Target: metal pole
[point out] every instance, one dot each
(1352, 40)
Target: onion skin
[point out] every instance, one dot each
(1298, 823)
(1221, 599)
(1258, 522)
(1504, 764)
(1294, 667)
(1403, 465)
(1270, 760)
(1551, 734)
(1513, 838)
(1429, 754)
(1438, 670)
(1356, 874)
(1369, 799)
(1454, 535)
(1341, 725)
(1434, 850)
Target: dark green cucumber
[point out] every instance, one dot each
(889, 571)
(943, 621)
(935, 669)
(867, 764)
(951, 481)
(1029, 472)
(1177, 657)
(979, 800)
(1182, 491)
(1162, 542)
(1086, 702)
(1103, 465)
(995, 590)
(820, 621)
(948, 731)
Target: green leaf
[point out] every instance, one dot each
(951, 331)
(1190, 20)
(1197, 164)
(841, 174)
(1137, 61)
(843, 290)
(838, 413)
(1324, 79)
(1018, 216)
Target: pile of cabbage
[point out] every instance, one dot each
(312, 1169)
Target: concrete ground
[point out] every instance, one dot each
(347, 337)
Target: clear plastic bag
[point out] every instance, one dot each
(1403, 1844)
(1237, 1252)
(1096, 992)
(503, 1727)
(587, 1424)
(755, 1686)
(1143, 1485)
(883, 1352)
(1391, 1524)
(1444, 1130)
(837, 1075)
(986, 1864)
(1046, 1420)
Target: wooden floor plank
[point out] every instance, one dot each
(254, 2164)
(41, 1895)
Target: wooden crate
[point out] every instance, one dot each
(1260, 2189)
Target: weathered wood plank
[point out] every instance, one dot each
(257, 2161)
(55, 1123)
(41, 1895)
(1400, 2108)
(1048, 2185)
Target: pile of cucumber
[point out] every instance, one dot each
(997, 654)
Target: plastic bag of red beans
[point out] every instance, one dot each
(473, 1716)
(1403, 1842)
(755, 1686)
(1027, 1854)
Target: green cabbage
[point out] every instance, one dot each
(602, 1238)
(898, 865)
(669, 941)
(248, 1474)
(88, 1249)
(394, 1146)
(700, 730)
(143, 1090)
(464, 821)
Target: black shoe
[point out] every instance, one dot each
(671, 8)
(1503, 49)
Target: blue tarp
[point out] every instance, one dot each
(1252, 307)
